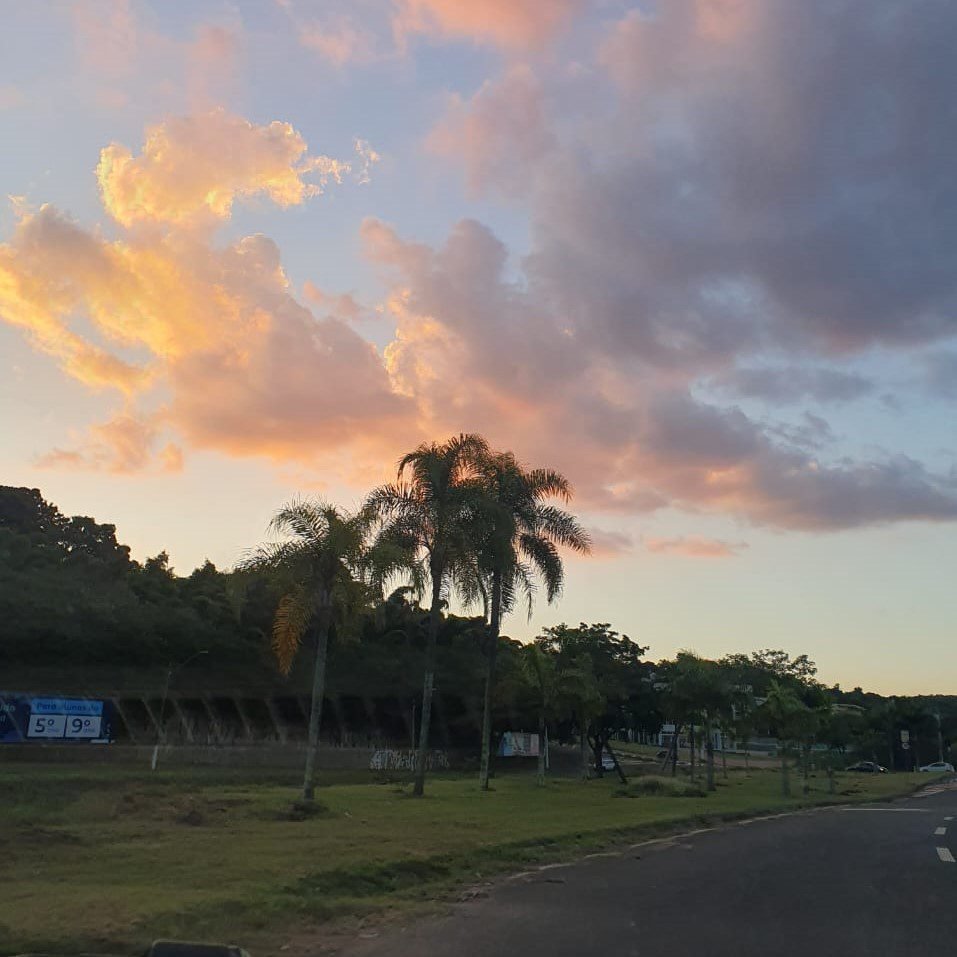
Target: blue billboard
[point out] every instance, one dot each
(29, 718)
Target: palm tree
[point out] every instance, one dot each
(541, 676)
(432, 513)
(522, 536)
(319, 567)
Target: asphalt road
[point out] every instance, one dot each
(863, 882)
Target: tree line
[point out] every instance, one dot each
(368, 592)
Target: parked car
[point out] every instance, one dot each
(868, 767)
(939, 766)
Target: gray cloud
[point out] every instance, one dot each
(790, 384)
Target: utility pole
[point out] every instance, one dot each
(940, 739)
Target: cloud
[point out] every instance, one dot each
(694, 546)
(941, 374)
(479, 351)
(499, 134)
(205, 341)
(783, 385)
(830, 210)
(511, 24)
(107, 37)
(11, 96)
(340, 41)
(123, 445)
(127, 58)
(197, 166)
(342, 305)
(609, 544)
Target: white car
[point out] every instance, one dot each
(939, 766)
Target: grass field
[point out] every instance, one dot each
(110, 858)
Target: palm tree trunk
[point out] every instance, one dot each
(785, 781)
(691, 754)
(709, 751)
(541, 749)
(315, 711)
(435, 612)
(495, 619)
(724, 757)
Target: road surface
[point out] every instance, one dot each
(856, 882)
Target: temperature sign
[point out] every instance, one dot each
(85, 727)
(46, 726)
(25, 718)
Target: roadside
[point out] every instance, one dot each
(823, 880)
(134, 856)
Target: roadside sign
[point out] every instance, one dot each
(26, 718)
(905, 737)
(905, 746)
(518, 744)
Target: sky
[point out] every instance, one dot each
(699, 255)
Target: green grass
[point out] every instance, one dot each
(109, 858)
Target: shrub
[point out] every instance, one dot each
(660, 787)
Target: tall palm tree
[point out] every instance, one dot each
(521, 541)
(319, 565)
(432, 513)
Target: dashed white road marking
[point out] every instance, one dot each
(949, 818)
(944, 854)
(940, 830)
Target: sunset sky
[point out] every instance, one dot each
(700, 255)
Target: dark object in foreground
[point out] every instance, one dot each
(185, 948)
(868, 767)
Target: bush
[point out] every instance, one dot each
(660, 787)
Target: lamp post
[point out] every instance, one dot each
(161, 731)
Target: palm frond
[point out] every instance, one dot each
(563, 529)
(543, 554)
(293, 616)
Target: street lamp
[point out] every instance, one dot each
(161, 730)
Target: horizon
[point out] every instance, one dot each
(254, 250)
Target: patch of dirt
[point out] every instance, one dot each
(191, 810)
(33, 835)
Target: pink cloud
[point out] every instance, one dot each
(694, 546)
(340, 41)
(609, 544)
(11, 96)
(512, 24)
(499, 134)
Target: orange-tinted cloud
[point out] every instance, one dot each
(122, 445)
(694, 546)
(512, 24)
(208, 339)
(198, 166)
